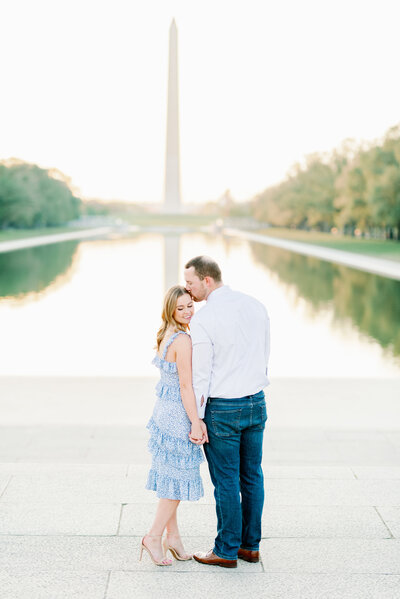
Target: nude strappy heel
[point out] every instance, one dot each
(167, 547)
(164, 562)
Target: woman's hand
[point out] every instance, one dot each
(198, 434)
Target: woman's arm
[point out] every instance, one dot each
(183, 348)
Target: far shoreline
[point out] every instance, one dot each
(359, 260)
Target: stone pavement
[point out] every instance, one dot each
(73, 507)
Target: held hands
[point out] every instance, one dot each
(198, 435)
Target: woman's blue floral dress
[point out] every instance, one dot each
(175, 468)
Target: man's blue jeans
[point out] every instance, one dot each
(234, 453)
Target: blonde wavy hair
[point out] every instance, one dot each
(167, 315)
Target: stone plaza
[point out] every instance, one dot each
(73, 507)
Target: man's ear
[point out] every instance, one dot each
(208, 280)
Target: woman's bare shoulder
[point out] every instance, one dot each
(183, 342)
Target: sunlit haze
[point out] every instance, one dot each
(262, 84)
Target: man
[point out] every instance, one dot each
(230, 338)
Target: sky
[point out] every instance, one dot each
(262, 84)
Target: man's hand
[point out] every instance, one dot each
(204, 429)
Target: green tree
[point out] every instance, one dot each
(34, 197)
(355, 187)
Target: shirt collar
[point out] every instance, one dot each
(216, 293)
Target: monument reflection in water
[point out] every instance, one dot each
(172, 276)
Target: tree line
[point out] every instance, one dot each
(33, 197)
(355, 189)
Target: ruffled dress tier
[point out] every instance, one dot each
(175, 468)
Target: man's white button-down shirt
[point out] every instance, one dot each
(231, 344)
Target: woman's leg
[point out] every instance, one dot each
(165, 509)
(173, 536)
(172, 524)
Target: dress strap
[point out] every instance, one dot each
(170, 340)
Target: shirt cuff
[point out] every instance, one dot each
(201, 402)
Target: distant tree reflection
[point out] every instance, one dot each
(370, 301)
(33, 269)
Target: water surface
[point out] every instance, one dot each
(92, 308)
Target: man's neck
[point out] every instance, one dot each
(213, 289)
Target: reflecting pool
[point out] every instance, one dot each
(92, 308)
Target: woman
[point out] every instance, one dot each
(176, 457)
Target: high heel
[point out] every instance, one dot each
(167, 547)
(164, 562)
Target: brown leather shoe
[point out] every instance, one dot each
(211, 559)
(248, 555)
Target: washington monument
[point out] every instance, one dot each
(172, 189)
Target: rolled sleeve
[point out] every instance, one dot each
(202, 358)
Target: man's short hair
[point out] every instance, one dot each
(205, 267)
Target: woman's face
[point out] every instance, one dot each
(184, 309)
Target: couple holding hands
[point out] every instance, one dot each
(210, 396)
